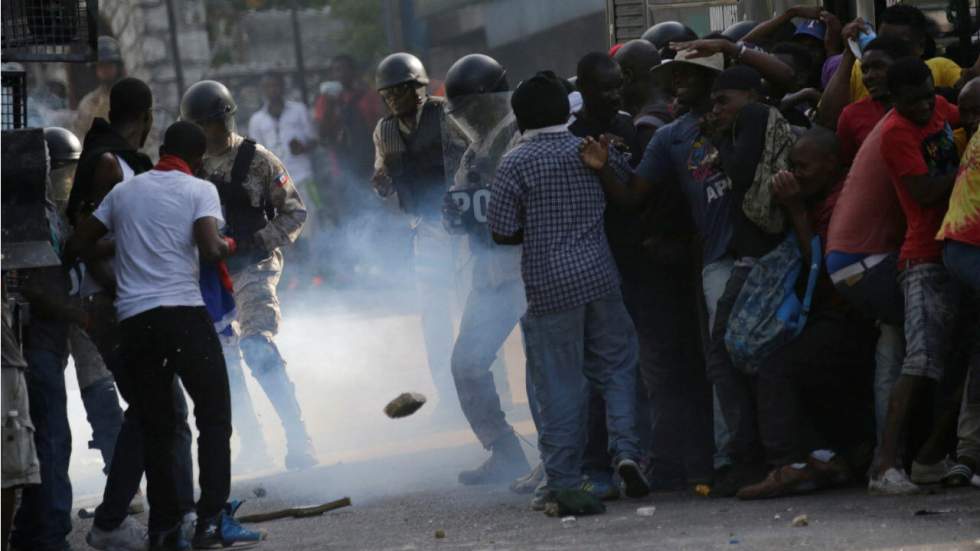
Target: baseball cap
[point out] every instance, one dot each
(811, 27)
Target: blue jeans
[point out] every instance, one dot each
(44, 518)
(594, 343)
(488, 318)
(714, 278)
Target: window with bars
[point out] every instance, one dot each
(49, 30)
(14, 114)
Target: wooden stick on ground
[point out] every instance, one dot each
(296, 512)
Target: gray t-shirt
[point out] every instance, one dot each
(678, 155)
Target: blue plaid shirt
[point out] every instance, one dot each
(543, 187)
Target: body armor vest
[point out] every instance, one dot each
(415, 162)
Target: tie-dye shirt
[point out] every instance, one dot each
(962, 221)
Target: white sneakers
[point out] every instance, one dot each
(129, 536)
(892, 483)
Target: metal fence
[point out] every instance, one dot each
(14, 113)
(49, 30)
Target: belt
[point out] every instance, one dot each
(857, 268)
(908, 263)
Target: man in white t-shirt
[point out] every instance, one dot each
(285, 128)
(165, 222)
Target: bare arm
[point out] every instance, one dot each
(83, 243)
(107, 174)
(629, 196)
(212, 246)
(787, 191)
(769, 66)
(928, 190)
(837, 94)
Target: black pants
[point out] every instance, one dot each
(734, 388)
(128, 463)
(816, 392)
(157, 345)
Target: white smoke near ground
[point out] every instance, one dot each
(349, 350)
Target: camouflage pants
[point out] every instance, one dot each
(256, 298)
(20, 463)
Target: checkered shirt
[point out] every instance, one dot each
(543, 187)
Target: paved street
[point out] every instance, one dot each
(401, 474)
(400, 502)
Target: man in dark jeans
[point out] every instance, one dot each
(165, 221)
(110, 155)
(652, 252)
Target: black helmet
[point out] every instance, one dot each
(665, 32)
(109, 50)
(63, 146)
(398, 69)
(207, 100)
(475, 74)
(738, 31)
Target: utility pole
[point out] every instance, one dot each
(298, 45)
(174, 48)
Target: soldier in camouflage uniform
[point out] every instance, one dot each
(108, 70)
(263, 212)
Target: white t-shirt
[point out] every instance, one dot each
(275, 134)
(152, 216)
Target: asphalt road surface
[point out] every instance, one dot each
(401, 501)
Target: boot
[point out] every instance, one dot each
(506, 462)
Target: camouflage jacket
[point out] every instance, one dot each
(267, 181)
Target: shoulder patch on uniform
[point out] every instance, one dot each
(282, 179)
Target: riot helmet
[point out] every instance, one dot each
(476, 94)
(108, 50)
(400, 68)
(64, 150)
(738, 31)
(63, 146)
(665, 32)
(206, 101)
(474, 74)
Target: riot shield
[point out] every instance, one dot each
(26, 241)
(478, 130)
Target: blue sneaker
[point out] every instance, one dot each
(601, 488)
(224, 531)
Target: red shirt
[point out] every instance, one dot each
(867, 218)
(912, 150)
(856, 121)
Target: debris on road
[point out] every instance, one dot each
(801, 520)
(440, 534)
(296, 512)
(646, 511)
(568, 522)
(404, 405)
(930, 512)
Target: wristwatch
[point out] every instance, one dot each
(740, 51)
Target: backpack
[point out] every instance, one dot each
(768, 313)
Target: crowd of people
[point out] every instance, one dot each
(747, 261)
